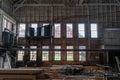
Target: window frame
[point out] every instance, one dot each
(22, 52)
(70, 52)
(4, 23)
(92, 30)
(33, 52)
(57, 52)
(20, 30)
(35, 28)
(81, 31)
(81, 53)
(7, 24)
(42, 29)
(69, 32)
(59, 31)
(45, 52)
(44, 24)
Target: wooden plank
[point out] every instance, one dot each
(17, 77)
(29, 71)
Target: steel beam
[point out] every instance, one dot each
(81, 1)
(37, 1)
(18, 1)
(29, 49)
(90, 4)
(118, 1)
(17, 7)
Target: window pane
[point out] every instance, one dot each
(44, 24)
(82, 54)
(69, 30)
(81, 30)
(9, 26)
(93, 26)
(45, 54)
(20, 54)
(94, 32)
(69, 54)
(57, 53)
(57, 30)
(4, 23)
(35, 28)
(33, 53)
(22, 28)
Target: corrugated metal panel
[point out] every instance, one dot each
(111, 36)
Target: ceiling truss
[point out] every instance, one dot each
(22, 3)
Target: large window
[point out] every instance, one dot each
(20, 54)
(69, 53)
(69, 30)
(94, 31)
(7, 24)
(35, 28)
(33, 53)
(45, 53)
(81, 30)
(22, 28)
(57, 53)
(57, 30)
(82, 54)
(44, 24)
(4, 23)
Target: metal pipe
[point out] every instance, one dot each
(90, 4)
(8, 49)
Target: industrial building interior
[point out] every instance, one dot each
(59, 39)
